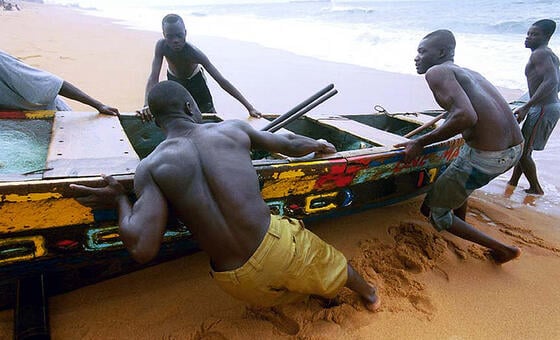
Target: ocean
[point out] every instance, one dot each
(377, 34)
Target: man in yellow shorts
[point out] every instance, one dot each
(205, 174)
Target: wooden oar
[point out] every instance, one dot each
(297, 108)
(302, 112)
(425, 126)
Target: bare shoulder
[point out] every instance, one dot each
(160, 44)
(438, 73)
(541, 54)
(194, 51)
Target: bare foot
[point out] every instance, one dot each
(503, 257)
(372, 304)
(533, 191)
(509, 190)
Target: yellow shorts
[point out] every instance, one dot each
(290, 264)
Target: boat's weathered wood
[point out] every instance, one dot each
(377, 136)
(103, 148)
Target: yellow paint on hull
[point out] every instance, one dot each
(315, 199)
(42, 214)
(21, 249)
(40, 114)
(30, 197)
(293, 182)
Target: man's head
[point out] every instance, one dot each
(434, 49)
(168, 99)
(174, 31)
(539, 33)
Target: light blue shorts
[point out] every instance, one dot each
(471, 170)
(539, 124)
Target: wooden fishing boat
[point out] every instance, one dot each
(45, 231)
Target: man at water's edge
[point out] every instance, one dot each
(493, 140)
(542, 110)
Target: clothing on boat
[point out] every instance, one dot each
(290, 264)
(538, 126)
(471, 170)
(23, 87)
(196, 85)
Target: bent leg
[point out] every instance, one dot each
(516, 175)
(530, 170)
(368, 293)
(461, 212)
(501, 252)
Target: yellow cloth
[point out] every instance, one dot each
(290, 264)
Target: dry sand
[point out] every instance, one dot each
(433, 285)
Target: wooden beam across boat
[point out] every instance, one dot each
(374, 135)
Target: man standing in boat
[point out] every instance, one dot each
(542, 110)
(257, 257)
(23, 87)
(186, 66)
(493, 140)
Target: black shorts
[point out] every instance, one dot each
(198, 89)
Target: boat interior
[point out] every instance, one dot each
(81, 144)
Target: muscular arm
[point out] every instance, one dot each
(287, 144)
(70, 91)
(157, 62)
(141, 225)
(544, 69)
(223, 82)
(450, 95)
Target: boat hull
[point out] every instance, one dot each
(44, 230)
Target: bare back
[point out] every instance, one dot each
(209, 181)
(495, 127)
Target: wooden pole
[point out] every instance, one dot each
(302, 112)
(297, 108)
(425, 126)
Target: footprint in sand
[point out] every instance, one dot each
(276, 317)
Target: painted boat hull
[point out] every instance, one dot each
(44, 230)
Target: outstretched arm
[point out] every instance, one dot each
(70, 91)
(224, 83)
(450, 95)
(287, 144)
(153, 79)
(142, 224)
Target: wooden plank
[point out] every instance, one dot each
(88, 144)
(363, 131)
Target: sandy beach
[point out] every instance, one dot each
(433, 285)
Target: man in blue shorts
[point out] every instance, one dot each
(493, 140)
(543, 108)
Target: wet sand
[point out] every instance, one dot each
(433, 285)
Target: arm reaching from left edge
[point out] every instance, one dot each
(70, 91)
(142, 224)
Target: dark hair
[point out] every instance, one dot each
(167, 97)
(445, 40)
(171, 19)
(547, 26)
